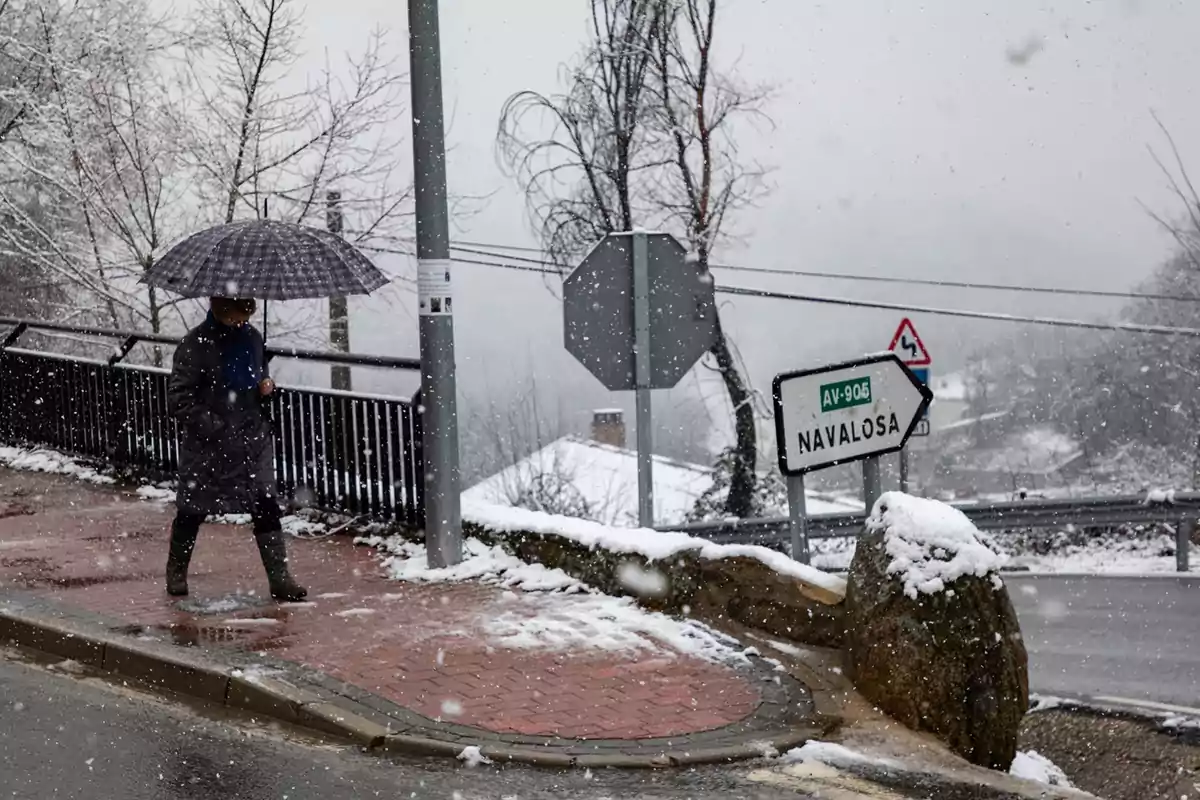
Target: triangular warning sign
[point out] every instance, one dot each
(908, 345)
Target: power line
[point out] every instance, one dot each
(742, 291)
(1129, 327)
(483, 249)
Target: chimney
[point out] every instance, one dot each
(608, 427)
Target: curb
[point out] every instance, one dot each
(323, 706)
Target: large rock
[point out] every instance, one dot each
(737, 588)
(932, 637)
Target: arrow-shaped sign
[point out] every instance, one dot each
(846, 412)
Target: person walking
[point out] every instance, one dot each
(218, 392)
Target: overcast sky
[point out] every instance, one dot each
(1004, 142)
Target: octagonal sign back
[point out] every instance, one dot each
(598, 315)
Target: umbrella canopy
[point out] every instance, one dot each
(267, 259)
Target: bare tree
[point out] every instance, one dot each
(579, 155)
(273, 146)
(643, 136)
(710, 180)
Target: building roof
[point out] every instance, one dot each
(605, 479)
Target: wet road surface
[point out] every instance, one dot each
(1134, 638)
(66, 736)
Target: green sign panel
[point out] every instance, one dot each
(846, 394)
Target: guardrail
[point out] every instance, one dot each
(1181, 509)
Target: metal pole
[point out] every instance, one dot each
(871, 484)
(904, 469)
(443, 512)
(641, 357)
(798, 518)
(1183, 543)
(339, 310)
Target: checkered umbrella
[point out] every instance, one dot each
(267, 259)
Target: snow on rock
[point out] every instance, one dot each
(472, 756)
(1030, 765)
(931, 544)
(49, 461)
(833, 755)
(650, 544)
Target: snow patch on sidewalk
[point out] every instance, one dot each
(156, 494)
(556, 612)
(49, 461)
(408, 561)
(605, 623)
(650, 544)
(1033, 766)
(931, 543)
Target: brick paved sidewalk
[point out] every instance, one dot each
(431, 649)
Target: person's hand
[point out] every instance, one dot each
(266, 386)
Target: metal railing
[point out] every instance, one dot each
(340, 451)
(1182, 510)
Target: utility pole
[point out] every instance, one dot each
(339, 312)
(443, 513)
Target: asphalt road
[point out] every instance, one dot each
(69, 736)
(1132, 638)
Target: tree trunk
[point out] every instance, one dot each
(742, 479)
(155, 323)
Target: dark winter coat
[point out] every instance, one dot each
(226, 454)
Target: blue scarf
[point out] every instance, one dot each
(239, 357)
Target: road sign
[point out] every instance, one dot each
(908, 345)
(922, 374)
(599, 320)
(846, 412)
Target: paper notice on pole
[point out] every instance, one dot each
(434, 294)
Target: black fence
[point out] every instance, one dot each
(339, 451)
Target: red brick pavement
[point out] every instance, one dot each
(421, 646)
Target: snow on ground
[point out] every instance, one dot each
(649, 544)
(156, 494)
(1110, 555)
(931, 544)
(834, 755)
(40, 460)
(1032, 766)
(576, 619)
(472, 756)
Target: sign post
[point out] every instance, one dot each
(641, 358)
(638, 316)
(907, 344)
(798, 518)
(854, 411)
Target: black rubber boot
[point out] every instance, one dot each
(273, 549)
(183, 542)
